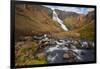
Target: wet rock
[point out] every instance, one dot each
(69, 56)
(73, 47)
(19, 43)
(37, 37)
(41, 56)
(91, 44)
(84, 44)
(28, 38)
(52, 42)
(66, 56)
(75, 42)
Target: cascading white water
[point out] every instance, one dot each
(56, 18)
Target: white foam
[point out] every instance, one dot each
(51, 49)
(55, 18)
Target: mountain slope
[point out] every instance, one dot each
(34, 19)
(72, 20)
(30, 19)
(87, 31)
(64, 14)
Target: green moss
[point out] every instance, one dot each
(32, 62)
(25, 53)
(70, 22)
(34, 45)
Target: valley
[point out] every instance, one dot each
(45, 35)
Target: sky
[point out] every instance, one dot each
(80, 10)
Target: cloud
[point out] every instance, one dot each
(91, 9)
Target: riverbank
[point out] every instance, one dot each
(45, 50)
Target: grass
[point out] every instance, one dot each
(87, 31)
(36, 62)
(70, 22)
(84, 32)
(31, 20)
(69, 34)
(25, 54)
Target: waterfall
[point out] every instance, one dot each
(56, 18)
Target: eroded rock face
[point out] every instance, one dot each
(63, 14)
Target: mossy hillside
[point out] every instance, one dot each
(25, 54)
(70, 22)
(87, 32)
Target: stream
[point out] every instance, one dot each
(56, 49)
(55, 54)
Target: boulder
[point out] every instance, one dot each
(28, 38)
(66, 56)
(41, 56)
(69, 55)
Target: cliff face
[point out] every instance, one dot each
(64, 14)
(90, 16)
